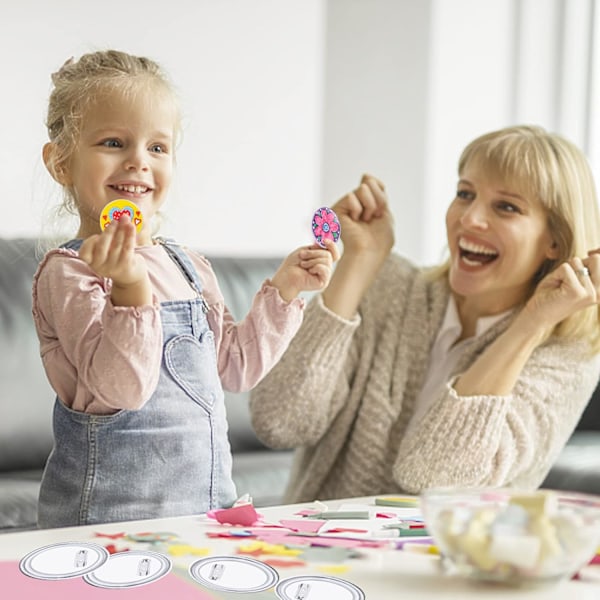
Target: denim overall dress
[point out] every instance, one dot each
(172, 457)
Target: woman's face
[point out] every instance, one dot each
(498, 240)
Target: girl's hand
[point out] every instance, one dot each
(366, 222)
(307, 269)
(112, 254)
(572, 286)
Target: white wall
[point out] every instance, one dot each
(410, 83)
(504, 62)
(377, 83)
(250, 76)
(288, 102)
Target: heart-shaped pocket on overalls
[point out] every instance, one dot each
(193, 365)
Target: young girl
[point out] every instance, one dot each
(471, 374)
(135, 337)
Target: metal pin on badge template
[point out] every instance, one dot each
(325, 225)
(114, 210)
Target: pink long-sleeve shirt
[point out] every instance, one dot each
(101, 358)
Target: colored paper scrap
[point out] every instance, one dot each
(402, 501)
(340, 514)
(344, 530)
(152, 537)
(185, 550)
(305, 525)
(267, 548)
(111, 536)
(283, 562)
(244, 514)
(334, 569)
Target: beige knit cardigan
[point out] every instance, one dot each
(344, 393)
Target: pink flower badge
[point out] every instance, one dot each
(325, 225)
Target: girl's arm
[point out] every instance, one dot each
(248, 349)
(99, 357)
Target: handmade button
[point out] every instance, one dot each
(325, 226)
(114, 210)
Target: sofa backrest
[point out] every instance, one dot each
(239, 280)
(26, 398)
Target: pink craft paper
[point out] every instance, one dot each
(244, 514)
(306, 512)
(314, 540)
(303, 525)
(17, 586)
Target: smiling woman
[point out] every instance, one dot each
(472, 373)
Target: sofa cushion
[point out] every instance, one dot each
(577, 467)
(18, 500)
(26, 398)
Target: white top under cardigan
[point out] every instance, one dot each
(446, 353)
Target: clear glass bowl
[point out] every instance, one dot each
(511, 536)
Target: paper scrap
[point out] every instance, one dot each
(245, 515)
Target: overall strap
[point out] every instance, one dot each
(181, 259)
(74, 244)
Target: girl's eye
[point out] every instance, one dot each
(158, 148)
(112, 143)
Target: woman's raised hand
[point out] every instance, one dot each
(366, 222)
(572, 286)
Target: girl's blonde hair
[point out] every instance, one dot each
(552, 169)
(80, 83)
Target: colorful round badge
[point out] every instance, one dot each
(325, 226)
(115, 209)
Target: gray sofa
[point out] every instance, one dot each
(26, 399)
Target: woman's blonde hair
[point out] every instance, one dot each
(552, 169)
(80, 83)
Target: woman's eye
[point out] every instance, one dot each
(508, 207)
(464, 194)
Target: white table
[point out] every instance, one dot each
(380, 573)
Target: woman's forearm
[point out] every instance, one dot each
(497, 370)
(352, 278)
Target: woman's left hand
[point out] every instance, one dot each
(572, 286)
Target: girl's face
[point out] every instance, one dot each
(125, 150)
(498, 239)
